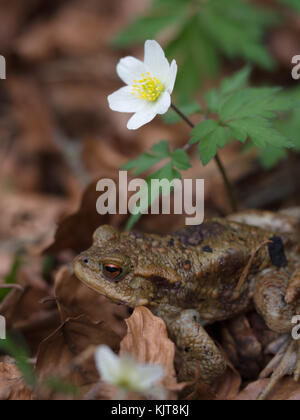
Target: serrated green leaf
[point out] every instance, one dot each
(209, 145)
(181, 160)
(238, 81)
(237, 28)
(203, 129)
(166, 172)
(262, 133)
(212, 100)
(251, 102)
(146, 160)
(237, 132)
(142, 163)
(221, 136)
(207, 149)
(161, 149)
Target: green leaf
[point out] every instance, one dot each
(161, 149)
(196, 56)
(221, 136)
(142, 163)
(209, 145)
(238, 81)
(212, 100)
(237, 132)
(181, 160)
(262, 133)
(146, 160)
(290, 127)
(203, 129)
(144, 28)
(171, 117)
(161, 15)
(270, 156)
(251, 102)
(207, 149)
(237, 28)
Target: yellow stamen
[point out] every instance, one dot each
(148, 88)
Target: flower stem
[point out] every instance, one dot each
(218, 161)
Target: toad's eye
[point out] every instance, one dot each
(112, 271)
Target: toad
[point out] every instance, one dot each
(202, 274)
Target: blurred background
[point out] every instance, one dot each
(58, 137)
(57, 134)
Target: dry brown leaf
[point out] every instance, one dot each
(25, 311)
(74, 337)
(242, 346)
(12, 386)
(88, 320)
(27, 219)
(287, 389)
(76, 231)
(229, 384)
(147, 340)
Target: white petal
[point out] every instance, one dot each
(163, 103)
(123, 101)
(156, 61)
(149, 375)
(130, 69)
(141, 118)
(107, 364)
(172, 77)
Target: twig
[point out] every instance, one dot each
(12, 286)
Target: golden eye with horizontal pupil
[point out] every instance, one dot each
(112, 271)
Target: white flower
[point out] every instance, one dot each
(125, 372)
(149, 86)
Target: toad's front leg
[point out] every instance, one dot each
(276, 297)
(200, 355)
